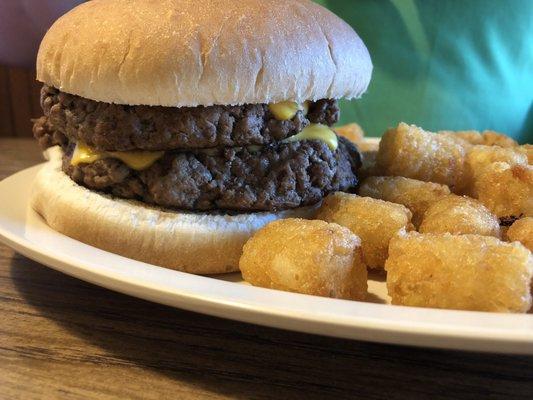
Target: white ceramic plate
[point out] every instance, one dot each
(226, 296)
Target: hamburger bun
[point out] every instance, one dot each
(181, 53)
(199, 243)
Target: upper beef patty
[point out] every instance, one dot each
(276, 177)
(115, 127)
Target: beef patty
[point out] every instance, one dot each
(115, 127)
(275, 177)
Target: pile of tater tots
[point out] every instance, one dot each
(447, 217)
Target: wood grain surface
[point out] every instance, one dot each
(61, 338)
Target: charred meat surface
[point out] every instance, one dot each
(275, 177)
(116, 127)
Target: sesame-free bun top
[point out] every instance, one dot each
(203, 52)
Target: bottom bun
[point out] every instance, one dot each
(199, 243)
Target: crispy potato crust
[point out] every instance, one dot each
(470, 137)
(416, 195)
(488, 138)
(415, 153)
(479, 157)
(353, 132)
(522, 231)
(463, 272)
(460, 215)
(491, 138)
(527, 149)
(506, 190)
(306, 256)
(374, 221)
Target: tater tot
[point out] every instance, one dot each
(368, 145)
(506, 190)
(491, 138)
(460, 215)
(414, 153)
(416, 195)
(527, 149)
(463, 272)
(482, 155)
(522, 231)
(479, 157)
(488, 138)
(368, 148)
(471, 137)
(353, 132)
(306, 256)
(374, 221)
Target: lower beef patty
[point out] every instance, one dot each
(115, 127)
(276, 177)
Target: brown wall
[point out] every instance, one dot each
(19, 101)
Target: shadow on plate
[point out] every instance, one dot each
(246, 361)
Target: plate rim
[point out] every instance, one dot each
(477, 337)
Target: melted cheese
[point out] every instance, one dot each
(286, 110)
(140, 160)
(317, 132)
(84, 154)
(137, 160)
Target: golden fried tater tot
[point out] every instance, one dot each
(416, 195)
(491, 138)
(487, 138)
(353, 132)
(463, 272)
(471, 137)
(459, 215)
(415, 153)
(367, 146)
(522, 231)
(506, 190)
(479, 157)
(374, 221)
(306, 256)
(527, 149)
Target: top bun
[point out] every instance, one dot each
(202, 52)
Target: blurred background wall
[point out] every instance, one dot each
(22, 25)
(440, 64)
(19, 101)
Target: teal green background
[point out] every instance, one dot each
(444, 64)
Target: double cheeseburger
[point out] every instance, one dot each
(180, 127)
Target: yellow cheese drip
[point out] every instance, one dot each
(84, 154)
(286, 110)
(137, 160)
(316, 132)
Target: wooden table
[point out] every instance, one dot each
(61, 338)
